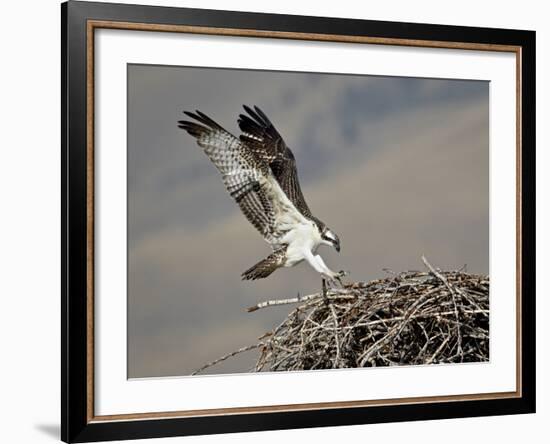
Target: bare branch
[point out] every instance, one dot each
(227, 356)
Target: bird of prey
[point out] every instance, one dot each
(259, 172)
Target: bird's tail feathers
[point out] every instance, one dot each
(266, 266)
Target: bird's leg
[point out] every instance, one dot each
(330, 275)
(324, 289)
(326, 273)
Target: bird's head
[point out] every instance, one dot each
(330, 238)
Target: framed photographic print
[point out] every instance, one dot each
(276, 221)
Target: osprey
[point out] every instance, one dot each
(259, 172)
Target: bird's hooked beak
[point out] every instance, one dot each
(331, 239)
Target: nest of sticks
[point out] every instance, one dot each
(408, 318)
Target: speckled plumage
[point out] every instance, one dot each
(261, 136)
(259, 172)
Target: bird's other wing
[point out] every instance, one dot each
(244, 175)
(263, 139)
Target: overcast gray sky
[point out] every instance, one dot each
(397, 167)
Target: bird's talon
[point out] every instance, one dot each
(341, 274)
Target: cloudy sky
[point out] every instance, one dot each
(397, 167)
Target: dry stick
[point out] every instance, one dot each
(282, 302)
(333, 293)
(401, 318)
(223, 358)
(336, 336)
(363, 359)
(443, 344)
(451, 289)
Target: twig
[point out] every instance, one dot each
(227, 356)
(394, 331)
(336, 337)
(452, 290)
(443, 344)
(333, 293)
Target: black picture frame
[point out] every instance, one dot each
(77, 425)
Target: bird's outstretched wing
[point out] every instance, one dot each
(247, 177)
(263, 139)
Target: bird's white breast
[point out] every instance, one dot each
(304, 237)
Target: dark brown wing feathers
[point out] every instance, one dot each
(241, 170)
(265, 141)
